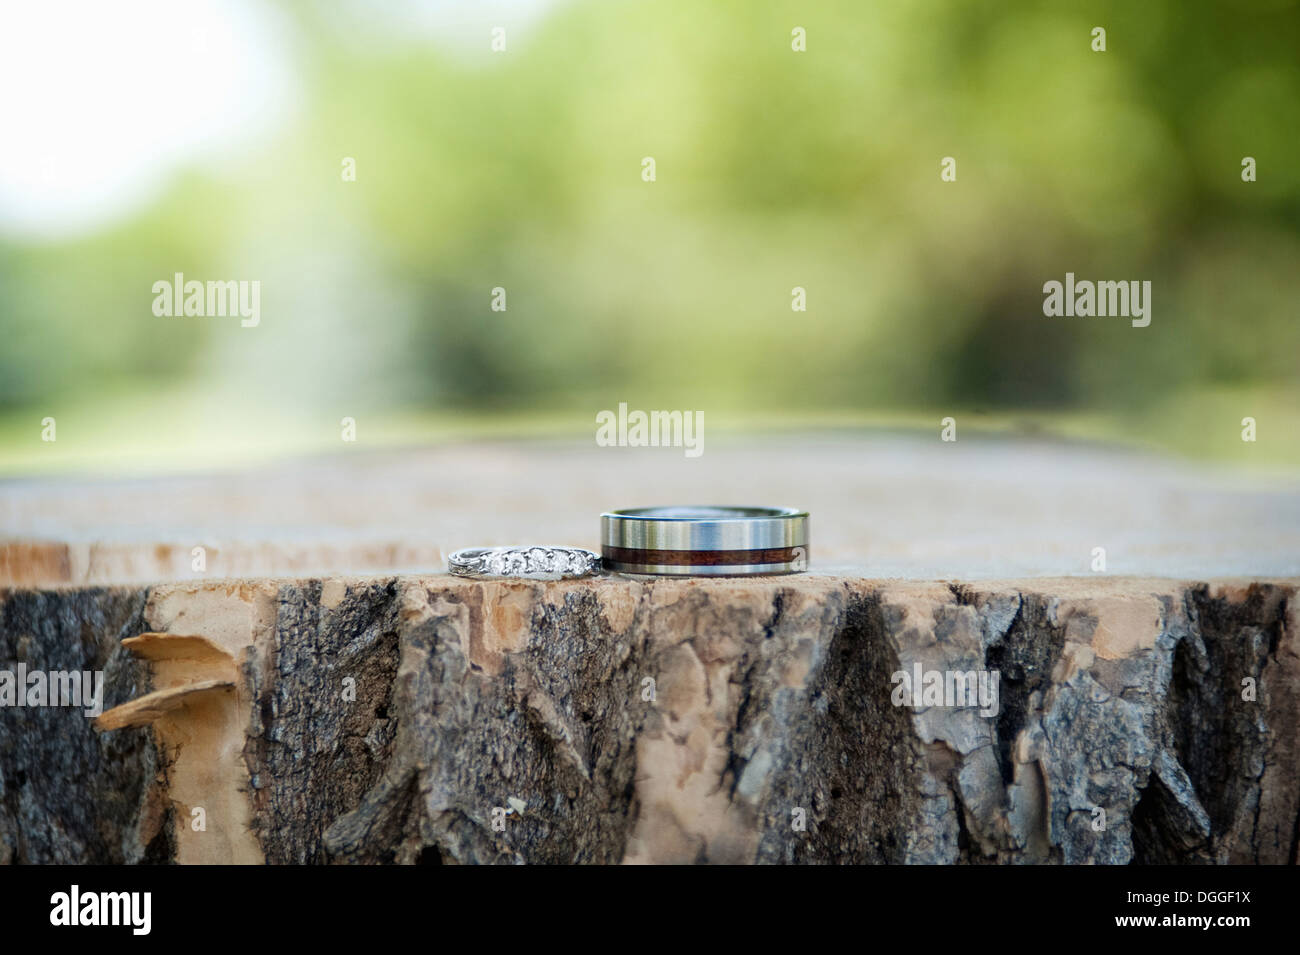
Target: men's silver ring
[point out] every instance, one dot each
(533, 562)
(704, 541)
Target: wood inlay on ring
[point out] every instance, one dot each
(709, 558)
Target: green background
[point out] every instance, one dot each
(775, 169)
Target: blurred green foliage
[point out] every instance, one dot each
(775, 169)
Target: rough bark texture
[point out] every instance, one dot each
(430, 719)
(68, 794)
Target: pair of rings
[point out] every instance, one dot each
(661, 541)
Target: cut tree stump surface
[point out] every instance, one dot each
(880, 507)
(324, 708)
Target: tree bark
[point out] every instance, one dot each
(433, 719)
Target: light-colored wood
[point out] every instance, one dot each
(148, 709)
(883, 506)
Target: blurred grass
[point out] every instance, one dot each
(130, 436)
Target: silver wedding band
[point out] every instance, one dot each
(705, 541)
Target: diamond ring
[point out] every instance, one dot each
(536, 563)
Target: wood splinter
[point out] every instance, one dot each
(188, 668)
(199, 723)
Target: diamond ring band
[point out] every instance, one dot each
(535, 562)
